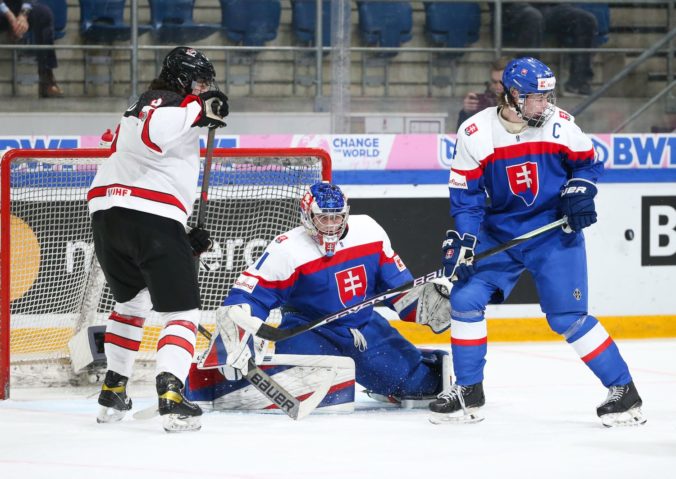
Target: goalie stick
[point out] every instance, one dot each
(276, 334)
(285, 401)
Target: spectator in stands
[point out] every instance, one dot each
(475, 102)
(20, 16)
(525, 26)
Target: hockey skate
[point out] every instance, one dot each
(622, 407)
(178, 413)
(113, 398)
(459, 404)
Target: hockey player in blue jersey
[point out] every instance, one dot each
(533, 164)
(332, 261)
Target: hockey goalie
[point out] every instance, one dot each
(332, 261)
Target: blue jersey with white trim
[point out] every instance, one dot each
(521, 174)
(293, 273)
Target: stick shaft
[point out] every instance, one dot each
(275, 334)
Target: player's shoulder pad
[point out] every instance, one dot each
(365, 226)
(561, 114)
(478, 125)
(156, 99)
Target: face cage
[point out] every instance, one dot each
(539, 119)
(326, 240)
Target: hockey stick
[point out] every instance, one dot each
(204, 191)
(275, 334)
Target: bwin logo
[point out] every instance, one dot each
(658, 231)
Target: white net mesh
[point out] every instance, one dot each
(56, 285)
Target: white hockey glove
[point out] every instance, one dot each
(237, 340)
(433, 308)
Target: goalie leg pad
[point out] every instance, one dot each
(298, 374)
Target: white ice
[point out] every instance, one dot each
(540, 423)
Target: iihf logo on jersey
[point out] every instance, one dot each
(523, 181)
(351, 284)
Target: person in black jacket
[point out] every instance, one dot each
(525, 26)
(18, 17)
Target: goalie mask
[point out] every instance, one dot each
(529, 88)
(185, 69)
(324, 212)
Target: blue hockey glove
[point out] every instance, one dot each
(458, 255)
(577, 203)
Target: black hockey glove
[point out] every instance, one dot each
(214, 109)
(458, 255)
(200, 240)
(577, 203)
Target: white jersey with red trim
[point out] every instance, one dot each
(294, 274)
(155, 162)
(522, 173)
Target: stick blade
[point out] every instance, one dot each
(310, 404)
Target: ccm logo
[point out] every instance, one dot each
(269, 390)
(658, 231)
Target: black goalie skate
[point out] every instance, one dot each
(622, 407)
(459, 404)
(178, 413)
(113, 398)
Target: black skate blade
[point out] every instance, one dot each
(468, 416)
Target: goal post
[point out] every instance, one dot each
(51, 286)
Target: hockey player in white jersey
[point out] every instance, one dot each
(139, 203)
(332, 261)
(535, 164)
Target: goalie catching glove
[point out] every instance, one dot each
(433, 308)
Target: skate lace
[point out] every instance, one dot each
(359, 340)
(456, 391)
(615, 393)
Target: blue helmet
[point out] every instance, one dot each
(529, 76)
(324, 212)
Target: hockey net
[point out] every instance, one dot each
(52, 285)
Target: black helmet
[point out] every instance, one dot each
(183, 65)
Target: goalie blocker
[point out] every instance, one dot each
(300, 375)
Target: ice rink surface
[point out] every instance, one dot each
(540, 423)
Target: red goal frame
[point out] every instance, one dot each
(5, 199)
